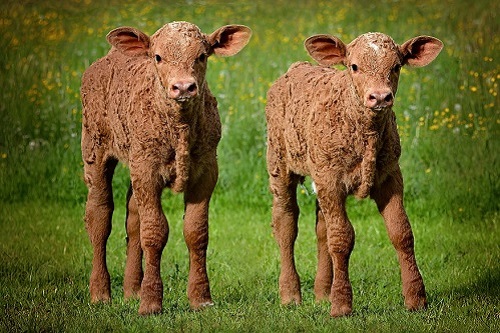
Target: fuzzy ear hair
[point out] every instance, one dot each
(229, 40)
(325, 49)
(421, 51)
(129, 41)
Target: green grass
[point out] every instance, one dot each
(449, 120)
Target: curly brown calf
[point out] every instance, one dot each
(338, 127)
(147, 104)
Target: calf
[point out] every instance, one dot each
(338, 127)
(147, 104)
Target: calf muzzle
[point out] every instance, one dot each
(183, 90)
(379, 99)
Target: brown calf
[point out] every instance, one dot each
(147, 104)
(339, 128)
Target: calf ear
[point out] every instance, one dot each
(129, 41)
(326, 50)
(229, 40)
(421, 50)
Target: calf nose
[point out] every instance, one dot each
(379, 99)
(183, 90)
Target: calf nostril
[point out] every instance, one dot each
(388, 98)
(192, 88)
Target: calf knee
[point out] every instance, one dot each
(340, 240)
(154, 236)
(401, 236)
(196, 238)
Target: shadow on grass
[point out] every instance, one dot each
(483, 292)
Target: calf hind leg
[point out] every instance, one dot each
(285, 214)
(133, 266)
(197, 199)
(98, 213)
(324, 275)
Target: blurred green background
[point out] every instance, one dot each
(448, 117)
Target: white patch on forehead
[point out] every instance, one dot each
(176, 25)
(374, 46)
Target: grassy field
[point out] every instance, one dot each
(449, 120)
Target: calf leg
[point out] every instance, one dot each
(340, 239)
(197, 198)
(133, 266)
(324, 276)
(285, 214)
(98, 213)
(153, 235)
(389, 199)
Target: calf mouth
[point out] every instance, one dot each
(183, 99)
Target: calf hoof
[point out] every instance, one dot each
(341, 310)
(100, 293)
(131, 295)
(132, 292)
(199, 296)
(341, 299)
(322, 292)
(102, 298)
(151, 296)
(290, 293)
(150, 308)
(291, 298)
(416, 303)
(201, 304)
(320, 298)
(289, 289)
(100, 287)
(415, 298)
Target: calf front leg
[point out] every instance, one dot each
(285, 214)
(133, 266)
(98, 213)
(389, 199)
(340, 240)
(197, 199)
(153, 236)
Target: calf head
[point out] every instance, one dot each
(179, 51)
(374, 61)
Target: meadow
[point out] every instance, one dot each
(449, 121)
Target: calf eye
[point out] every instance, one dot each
(202, 57)
(157, 58)
(354, 67)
